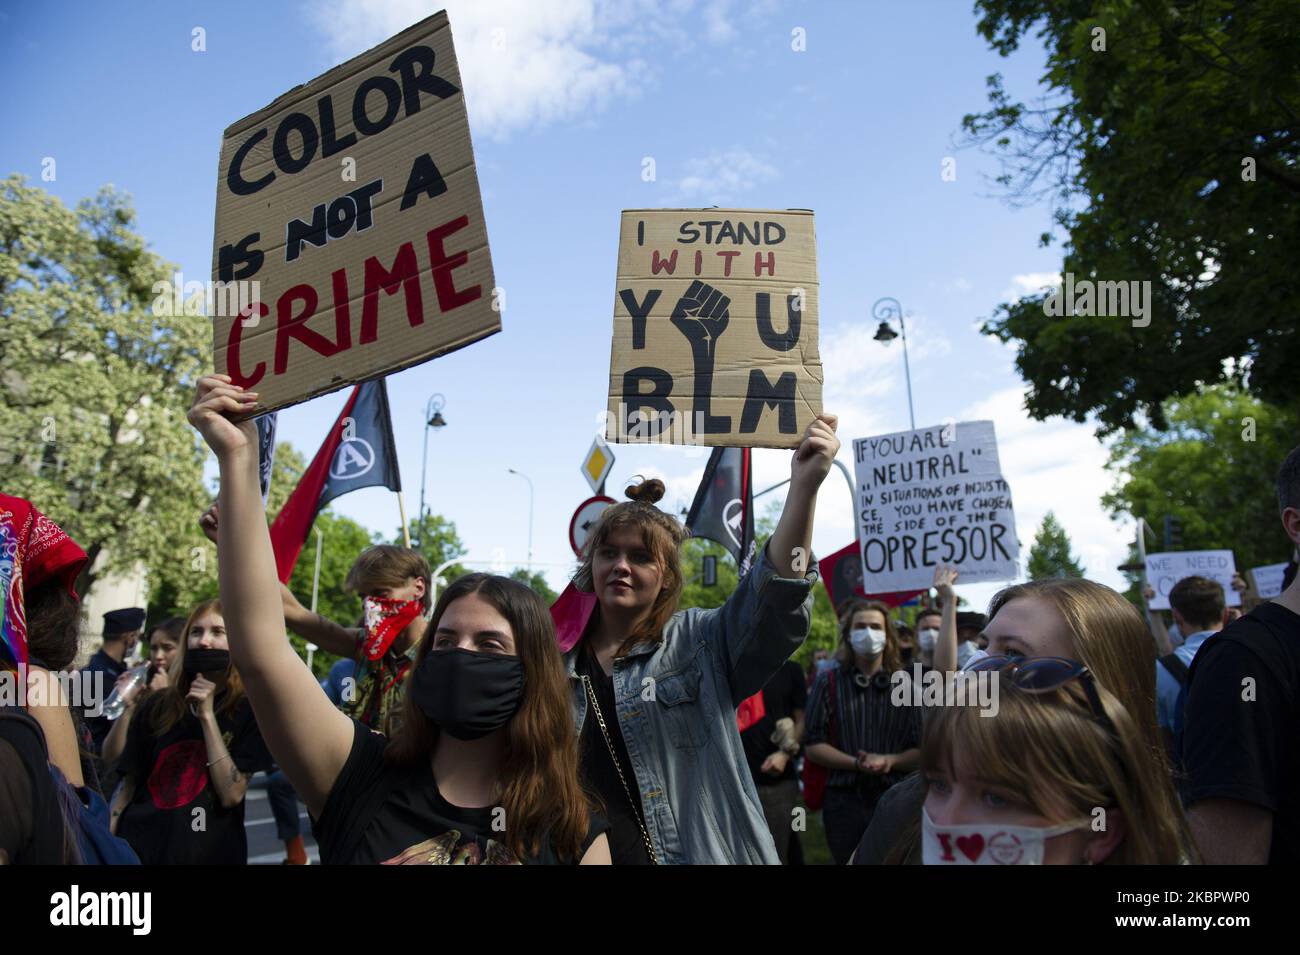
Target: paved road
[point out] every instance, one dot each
(263, 846)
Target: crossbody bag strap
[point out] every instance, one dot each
(613, 754)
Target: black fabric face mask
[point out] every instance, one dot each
(206, 661)
(466, 693)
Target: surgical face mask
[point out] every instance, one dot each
(825, 664)
(987, 843)
(868, 642)
(968, 653)
(466, 693)
(925, 639)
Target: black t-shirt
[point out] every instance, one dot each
(31, 825)
(599, 775)
(1242, 717)
(380, 813)
(173, 781)
(786, 692)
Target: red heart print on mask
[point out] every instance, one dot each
(971, 846)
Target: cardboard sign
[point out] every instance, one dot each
(1268, 580)
(841, 575)
(349, 226)
(715, 328)
(933, 496)
(1165, 570)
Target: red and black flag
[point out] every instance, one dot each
(358, 452)
(723, 510)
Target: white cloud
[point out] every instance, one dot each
(522, 63)
(1056, 466)
(719, 177)
(1029, 283)
(525, 63)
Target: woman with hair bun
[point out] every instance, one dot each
(655, 689)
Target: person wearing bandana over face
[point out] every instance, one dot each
(189, 753)
(1059, 776)
(855, 730)
(393, 583)
(483, 767)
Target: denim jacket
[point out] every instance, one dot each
(676, 703)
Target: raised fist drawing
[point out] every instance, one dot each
(702, 314)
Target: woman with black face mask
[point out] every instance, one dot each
(484, 766)
(189, 753)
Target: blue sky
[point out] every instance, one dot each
(566, 99)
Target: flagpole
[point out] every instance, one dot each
(315, 589)
(406, 531)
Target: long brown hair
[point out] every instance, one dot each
(539, 787)
(892, 656)
(661, 535)
(1051, 749)
(169, 705)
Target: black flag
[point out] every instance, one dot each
(358, 452)
(723, 510)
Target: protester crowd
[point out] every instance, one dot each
(459, 731)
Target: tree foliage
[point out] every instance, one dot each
(536, 582)
(1168, 144)
(1213, 470)
(435, 537)
(1050, 554)
(95, 385)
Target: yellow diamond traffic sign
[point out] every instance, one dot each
(599, 461)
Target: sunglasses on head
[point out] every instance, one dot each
(1044, 674)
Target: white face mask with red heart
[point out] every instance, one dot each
(987, 844)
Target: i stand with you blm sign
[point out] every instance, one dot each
(715, 328)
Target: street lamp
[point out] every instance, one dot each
(530, 515)
(432, 419)
(883, 309)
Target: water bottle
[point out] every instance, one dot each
(116, 704)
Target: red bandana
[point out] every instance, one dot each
(385, 619)
(33, 549)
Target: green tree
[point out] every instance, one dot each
(96, 383)
(1212, 470)
(1167, 144)
(436, 538)
(1050, 555)
(536, 581)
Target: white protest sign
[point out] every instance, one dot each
(933, 496)
(1165, 570)
(1268, 580)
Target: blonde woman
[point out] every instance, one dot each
(1062, 775)
(1070, 618)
